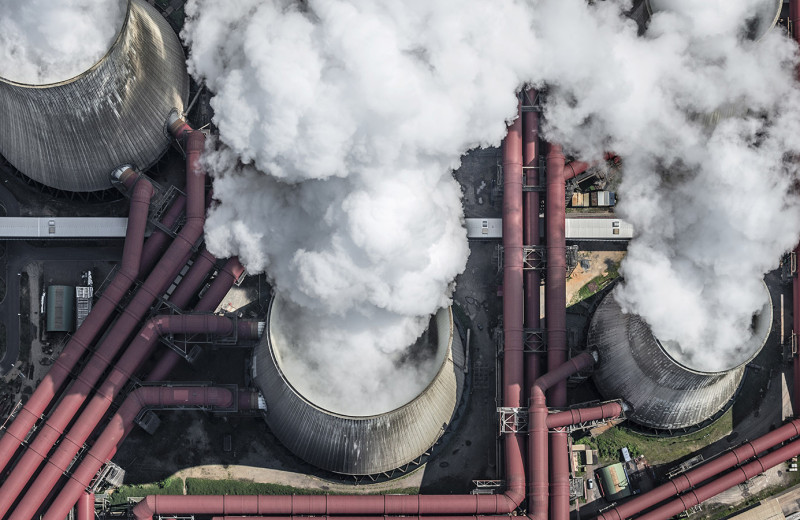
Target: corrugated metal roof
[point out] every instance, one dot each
(62, 227)
(71, 135)
(484, 227)
(363, 445)
(614, 482)
(598, 229)
(60, 308)
(634, 366)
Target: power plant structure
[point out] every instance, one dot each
(104, 127)
(69, 135)
(360, 445)
(666, 393)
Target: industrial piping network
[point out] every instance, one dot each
(513, 374)
(137, 352)
(156, 283)
(57, 375)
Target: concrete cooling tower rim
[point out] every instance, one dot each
(103, 58)
(757, 342)
(768, 13)
(442, 348)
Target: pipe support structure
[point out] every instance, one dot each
(106, 304)
(156, 283)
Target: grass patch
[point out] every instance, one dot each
(170, 486)
(597, 284)
(657, 450)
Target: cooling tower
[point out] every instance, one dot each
(665, 393)
(70, 135)
(765, 15)
(360, 445)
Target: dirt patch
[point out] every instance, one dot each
(591, 264)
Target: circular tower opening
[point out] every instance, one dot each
(366, 434)
(667, 388)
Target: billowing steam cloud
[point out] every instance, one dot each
(46, 41)
(340, 122)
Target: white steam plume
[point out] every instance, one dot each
(340, 122)
(47, 41)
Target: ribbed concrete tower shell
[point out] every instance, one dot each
(664, 394)
(361, 445)
(765, 15)
(70, 135)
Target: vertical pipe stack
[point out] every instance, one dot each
(533, 279)
(513, 363)
(556, 315)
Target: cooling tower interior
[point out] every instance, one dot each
(665, 391)
(70, 135)
(360, 445)
(765, 17)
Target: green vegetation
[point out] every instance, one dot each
(202, 486)
(170, 486)
(657, 450)
(598, 283)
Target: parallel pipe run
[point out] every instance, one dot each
(796, 330)
(513, 351)
(702, 473)
(531, 237)
(537, 438)
(85, 507)
(88, 331)
(138, 351)
(223, 282)
(409, 506)
(122, 423)
(163, 274)
(208, 302)
(414, 504)
(556, 315)
(159, 239)
(717, 486)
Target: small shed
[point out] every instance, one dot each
(614, 482)
(60, 308)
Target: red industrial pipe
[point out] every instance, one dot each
(580, 415)
(530, 207)
(796, 328)
(413, 506)
(702, 473)
(537, 438)
(223, 282)
(85, 507)
(717, 486)
(512, 396)
(163, 274)
(139, 350)
(122, 423)
(103, 308)
(556, 315)
(159, 239)
(193, 279)
(513, 351)
(575, 168)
